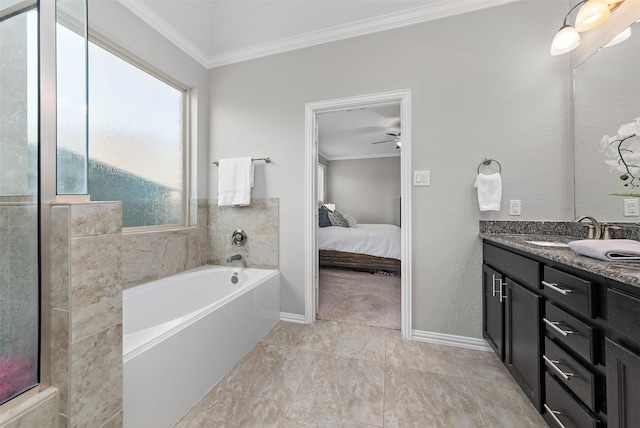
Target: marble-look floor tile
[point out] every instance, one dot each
(505, 405)
(222, 407)
(346, 387)
(306, 336)
(415, 398)
(298, 417)
(482, 365)
(356, 341)
(426, 356)
(269, 371)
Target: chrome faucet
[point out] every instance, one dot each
(234, 258)
(594, 228)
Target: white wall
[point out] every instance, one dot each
(112, 20)
(483, 84)
(368, 189)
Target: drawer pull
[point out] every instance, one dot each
(553, 414)
(554, 287)
(554, 325)
(552, 364)
(494, 285)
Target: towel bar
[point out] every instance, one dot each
(487, 162)
(266, 160)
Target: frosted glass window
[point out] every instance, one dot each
(136, 141)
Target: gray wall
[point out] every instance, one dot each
(483, 84)
(368, 189)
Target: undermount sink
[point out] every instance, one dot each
(548, 243)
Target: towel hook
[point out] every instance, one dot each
(487, 162)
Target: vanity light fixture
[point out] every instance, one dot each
(591, 14)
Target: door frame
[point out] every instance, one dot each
(312, 109)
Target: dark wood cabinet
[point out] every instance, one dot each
(493, 313)
(623, 385)
(523, 340)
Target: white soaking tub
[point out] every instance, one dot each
(182, 333)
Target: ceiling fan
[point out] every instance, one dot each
(396, 139)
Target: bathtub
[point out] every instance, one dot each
(182, 333)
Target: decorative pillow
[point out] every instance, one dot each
(351, 220)
(323, 217)
(337, 219)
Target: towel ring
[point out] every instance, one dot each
(487, 162)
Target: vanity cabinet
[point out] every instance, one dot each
(622, 348)
(548, 327)
(511, 313)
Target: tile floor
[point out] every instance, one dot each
(332, 374)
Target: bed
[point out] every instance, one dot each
(362, 246)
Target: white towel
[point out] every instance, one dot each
(489, 191)
(608, 249)
(235, 180)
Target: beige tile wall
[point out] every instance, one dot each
(260, 220)
(87, 281)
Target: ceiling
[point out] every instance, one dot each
(349, 134)
(219, 32)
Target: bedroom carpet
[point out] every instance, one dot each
(359, 298)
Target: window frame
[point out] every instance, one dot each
(111, 47)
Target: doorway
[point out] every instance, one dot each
(398, 98)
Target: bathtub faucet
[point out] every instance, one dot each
(234, 258)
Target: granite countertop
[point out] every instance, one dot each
(625, 272)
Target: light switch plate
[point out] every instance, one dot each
(421, 178)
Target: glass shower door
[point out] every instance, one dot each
(19, 202)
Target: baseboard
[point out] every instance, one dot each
(451, 340)
(286, 316)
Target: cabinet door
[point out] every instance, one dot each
(493, 310)
(522, 337)
(623, 386)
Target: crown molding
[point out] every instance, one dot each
(436, 10)
(166, 30)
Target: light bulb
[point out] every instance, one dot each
(567, 39)
(592, 14)
(624, 35)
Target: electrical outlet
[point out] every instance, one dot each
(514, 207)
(631, 208)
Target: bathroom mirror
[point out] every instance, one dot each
(606, 95)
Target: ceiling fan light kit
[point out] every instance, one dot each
(591, 14)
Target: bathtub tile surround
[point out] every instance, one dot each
(261, 222)
(150, 255)
(341, 386)
(38, 411)
(87, 311)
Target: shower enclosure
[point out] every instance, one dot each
(19, 198)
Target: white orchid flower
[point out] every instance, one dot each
(629, 129)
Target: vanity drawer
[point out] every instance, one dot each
(569, 290)
(570, 331)
(571, 373)
(513, 265)
(562, 410)
(623, 311)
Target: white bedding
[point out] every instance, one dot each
(381, 240)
